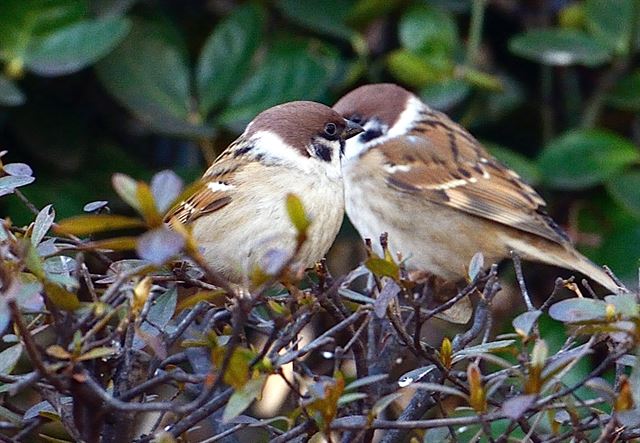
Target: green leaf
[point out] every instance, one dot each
(328, 19)
(524, 323)
(10, 94)
(384, 402)
(225, 57)
(445, 94)
(148, 73)
(242, 398)
(575, 310)
(82, 225)
(525, 167)
(292, 70)
(625, 304)
(9, 358)
(60, 297)
(76, 46)
(297, 214)
(584, 158)
(99, 352)
(626, 93)
(418, 70)
(610, 21)
(23, 20)
(43, 223)
(382, 268)
(620, 251)
(425, 30)
(625, 188)
(559, 47)
(365, 381)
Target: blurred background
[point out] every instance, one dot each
(552, 87)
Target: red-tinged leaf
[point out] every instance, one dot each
(57, 351)
(113, 244)
(160, 245)
(99, 352)
(82, 225)
(60, 297)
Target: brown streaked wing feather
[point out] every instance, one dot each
(442, 162)
(204, 200)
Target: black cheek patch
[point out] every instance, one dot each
(322, 152)
(370, 134)
(342, 143)
(243, 150)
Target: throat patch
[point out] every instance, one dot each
(322, 152)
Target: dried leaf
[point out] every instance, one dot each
(112, 244)
(57, 351)
(147, 205)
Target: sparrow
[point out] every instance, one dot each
(238, 215)
(441, 197)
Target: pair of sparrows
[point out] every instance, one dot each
(395, 165)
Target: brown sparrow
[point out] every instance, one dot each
(439, 195)
(239, 214)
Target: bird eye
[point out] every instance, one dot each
(330, 129)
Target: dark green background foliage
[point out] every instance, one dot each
(91, 87)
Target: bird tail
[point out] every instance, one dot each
(569, 258)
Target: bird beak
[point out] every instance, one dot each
(351, 129)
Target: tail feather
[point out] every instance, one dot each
(566, 257)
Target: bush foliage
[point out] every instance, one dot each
(114, 329)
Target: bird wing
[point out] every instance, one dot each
(440, 161)
(215, 189)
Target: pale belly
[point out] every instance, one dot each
(254, 229)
